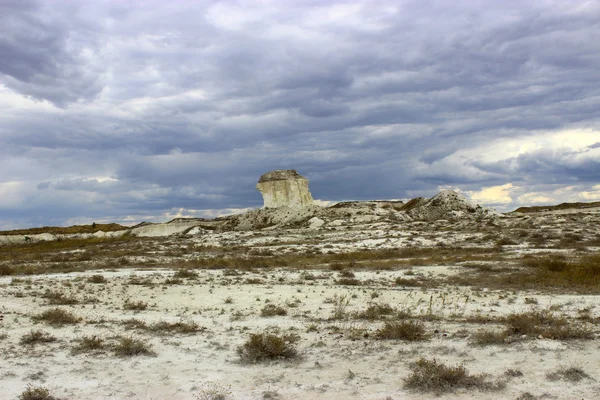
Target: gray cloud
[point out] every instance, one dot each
(185, 105)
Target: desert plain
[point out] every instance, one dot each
(360, 303)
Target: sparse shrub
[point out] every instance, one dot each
(554, 264)
(139, 281)
(128, 347)
(59, 298)
(135, 305)
(506, 242)
(263, 347)
(6, 270)
(486, 337)
(89, 344)
(376, 311)
(271, 395)
(337, 266)
(57, 317)
(346, 274)
(407, 282)
(546, 324)
(531, 300)
(571, 374)
(36, 393)
(212, 391)
(133, 323)
(37, 336)
(175, 327)
(97, 279)
(185, 274)
(526, 396)
(405, 330)
(272, 310)
(513, 373)
(348, 282)
(340, 305)
(431, 376)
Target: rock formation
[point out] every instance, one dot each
(284, 188)
(448, 204)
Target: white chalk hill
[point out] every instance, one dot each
(449, 204)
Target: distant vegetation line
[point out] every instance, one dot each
(58, 230)
(561, 206)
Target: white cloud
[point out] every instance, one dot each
(493, 195)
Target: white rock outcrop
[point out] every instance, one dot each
(284, 188)
(449, 204)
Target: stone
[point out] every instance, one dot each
(284, 188)
(315, 223)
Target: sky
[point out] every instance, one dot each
(130, 111)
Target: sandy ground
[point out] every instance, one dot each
(339, 358)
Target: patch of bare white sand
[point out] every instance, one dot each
(340, 358)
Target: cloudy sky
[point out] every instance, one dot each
(144, 110)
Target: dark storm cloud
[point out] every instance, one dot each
(40, 53)
(185, 104)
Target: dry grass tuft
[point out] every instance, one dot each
(264, 347)
(37, 336)
(87, 344)
(135, 305)
(36, 393)
(571, 374)
(376, 311)
(486, 337)
(6, 270)
(183, 327)
(98, 279)
(183, 273)
(272, 310)
(127, 346)
(404, 330)
(59, 298)
(431, 376)
(57, 317)
(545, 324)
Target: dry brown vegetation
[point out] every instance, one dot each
(334, 305)
(59, 230)
(264, 347)
(432, 376)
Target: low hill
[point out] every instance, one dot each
(60, 230)
(561, 206)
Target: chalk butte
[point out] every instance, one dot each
(284, 188)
